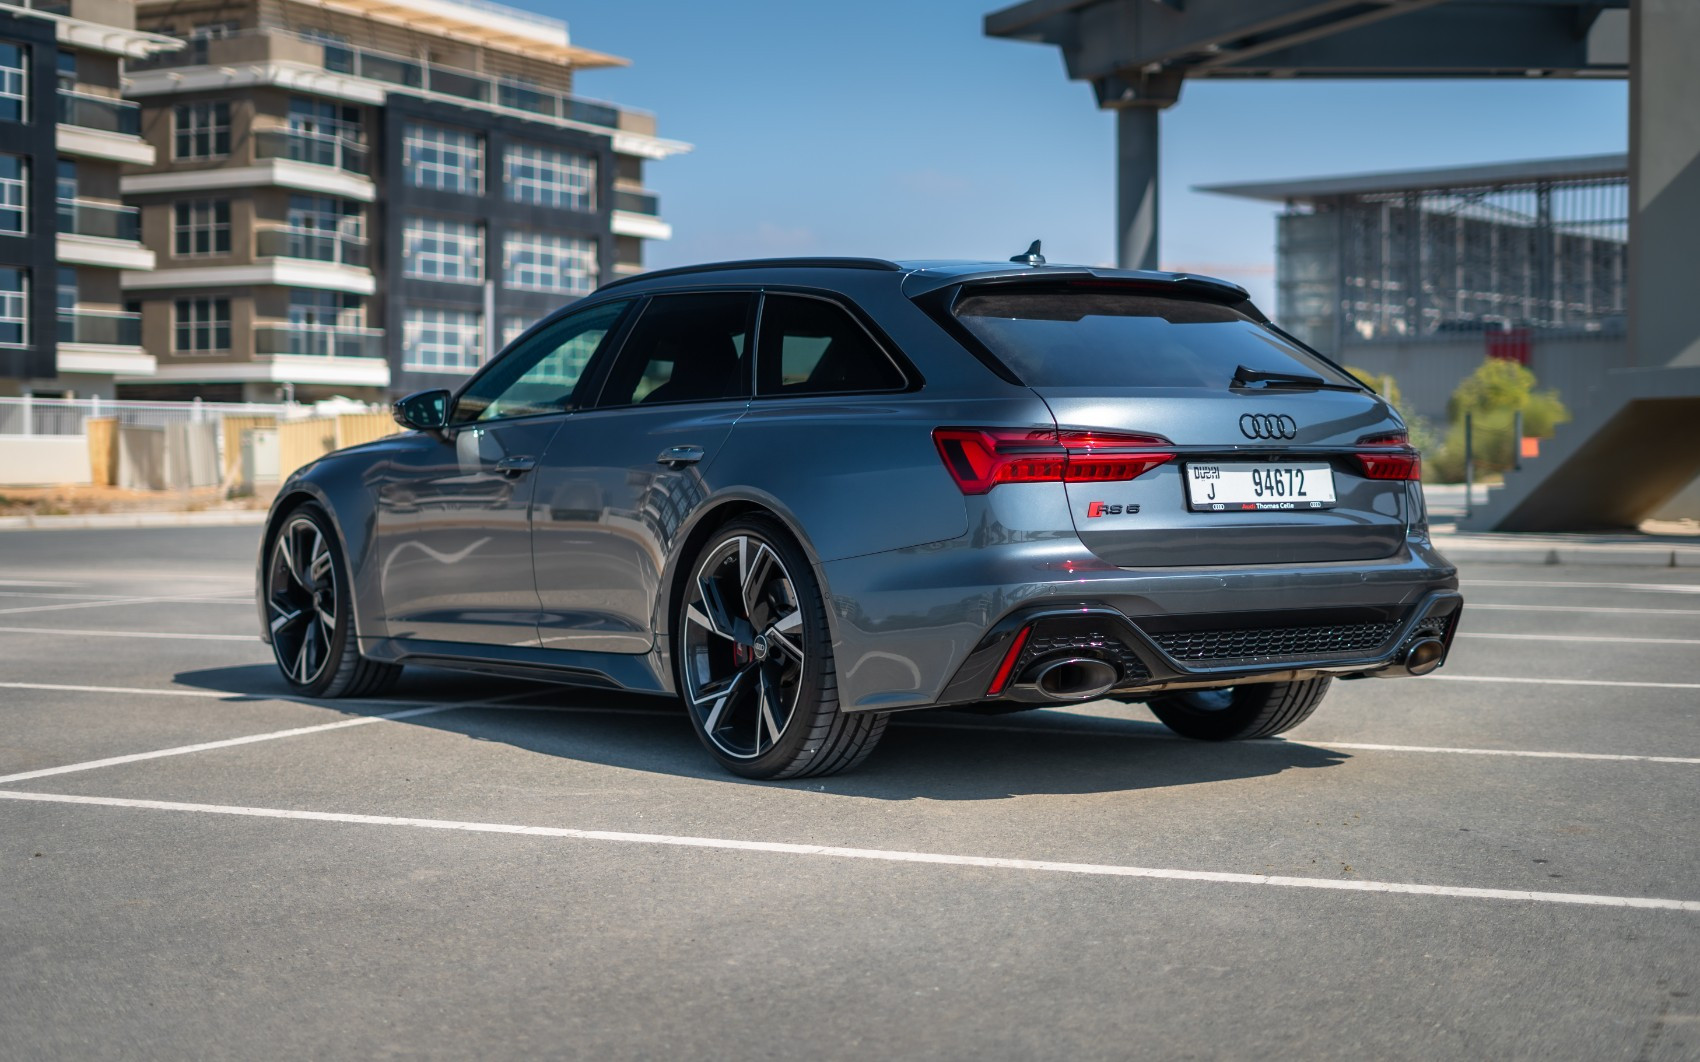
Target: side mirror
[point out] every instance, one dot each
(423, 410)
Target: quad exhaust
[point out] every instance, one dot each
(1074, 678)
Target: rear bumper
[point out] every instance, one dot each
(915, 628)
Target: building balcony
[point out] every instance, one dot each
(312, 245)
(100, 113)
(646, 203)
(103, 220)
(262, 46)
(313, 149)
(319, 341)
(100, 328)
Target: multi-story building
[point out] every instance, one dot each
(65, 235)
(368, 197)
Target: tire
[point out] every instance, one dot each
(754, 660)
(1256, 710)
(310, 604)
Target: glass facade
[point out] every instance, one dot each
(445, 159)
(436, 249)
(435, 340)
(562, 265)
(549, 178)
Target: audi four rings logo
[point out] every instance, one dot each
(1268, 426)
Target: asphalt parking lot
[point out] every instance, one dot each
(1499, 861)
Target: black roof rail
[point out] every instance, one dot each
(879, 264)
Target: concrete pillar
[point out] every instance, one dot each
(1664, 183)
(1136, 187)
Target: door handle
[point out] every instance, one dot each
(678, 456)
(516, 466)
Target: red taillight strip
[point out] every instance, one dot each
(1001, 679)
(979, 459)
(1405, 464)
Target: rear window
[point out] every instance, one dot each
(1087, 338)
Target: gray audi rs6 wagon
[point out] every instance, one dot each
(802, 494)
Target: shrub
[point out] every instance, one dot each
(1493, 395)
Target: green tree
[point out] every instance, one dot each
(1493, 395)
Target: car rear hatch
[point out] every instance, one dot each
(1273, 454)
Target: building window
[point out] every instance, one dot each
(203, 326)
(514, 326)
(325, 120)
(66, 300)
(67, 71)
(550, 178)
(203, 130)
(14, 307)
(326, 323)
(202, 227)
(434, 249)
(14, 83)
(326, 214)
(445, 159)
(14, 193)
(560, 264)
(442, 340)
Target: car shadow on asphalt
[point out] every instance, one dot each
(933, 754)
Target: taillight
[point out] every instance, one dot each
(1398, 462)
(981, 458)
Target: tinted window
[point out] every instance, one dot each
(810, 346)
(685, 348)
(1095, 338)
(540, 374)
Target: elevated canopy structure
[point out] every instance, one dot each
(1614, 464)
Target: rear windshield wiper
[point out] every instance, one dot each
(1272, 379)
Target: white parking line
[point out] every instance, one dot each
(129, 601)
(1358, 747)
(207, 746)
(879, 855)
(140, 634)
(272, 735)
(1474, 606)
(1549, 638)
(1563, 682)
(115, 689)
(1645, 588)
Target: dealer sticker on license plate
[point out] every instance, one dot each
(1235, 487)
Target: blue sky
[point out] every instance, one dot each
(895, 128)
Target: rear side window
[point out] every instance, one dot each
(685, 348)
(814, 347)
(1096, 338)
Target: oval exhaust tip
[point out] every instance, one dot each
(1079, 678)
(1424, 656)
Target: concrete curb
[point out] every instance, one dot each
(218, 518)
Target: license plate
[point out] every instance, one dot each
(1237, 487)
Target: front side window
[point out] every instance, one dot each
(202, 130)
(435, 340)
(14, 193)
(812, 347)
(541, 375)
(445, 159)
(549, 178)
(685, 348)
(436, 249)
(201, 227)
(1092, 337)
(14, 307)
(14, 83)
(202, 326)
(564, 265)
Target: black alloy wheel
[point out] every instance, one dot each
(755, 661)
(307, 605)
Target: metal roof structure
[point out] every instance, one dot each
(1523, 171)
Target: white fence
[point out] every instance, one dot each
(63, 416)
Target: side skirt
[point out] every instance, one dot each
(632, 672)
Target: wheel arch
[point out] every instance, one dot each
(715, 513)
(354, 545)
